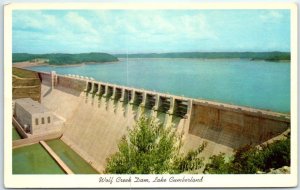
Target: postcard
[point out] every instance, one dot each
(123, 95)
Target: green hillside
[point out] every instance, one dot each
(269, 56)
(64, 59)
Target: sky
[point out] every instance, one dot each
(149, 31)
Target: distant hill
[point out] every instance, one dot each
(64, 59)
(269, 56)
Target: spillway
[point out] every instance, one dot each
(98, 114)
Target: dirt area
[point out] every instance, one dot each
(28, 64)
(26, 84)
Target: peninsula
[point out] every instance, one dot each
(62, 58)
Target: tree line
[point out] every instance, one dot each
(62, 58)
(269, 56)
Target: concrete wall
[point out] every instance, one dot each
(71, 83)
(23, 116)
(96, 119)
(45, 78)
(19, 128)
(94, 125)
(35, 139)
(43, 126)
(235, 126)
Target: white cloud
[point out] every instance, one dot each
(144, 30)
(146, 27)
(34, 20)
(36, 28)
(196, 27)
(271, 16)
(79, 23)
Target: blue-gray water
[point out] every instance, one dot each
(258, 84)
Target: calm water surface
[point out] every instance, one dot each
(71, 158)
(34, 159)
(258, 84)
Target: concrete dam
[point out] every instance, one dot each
(98, 114)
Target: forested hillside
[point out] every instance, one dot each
(63, 59)
(269, 56)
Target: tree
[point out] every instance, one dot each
(152, 149)
(217, 165)
(250, 159)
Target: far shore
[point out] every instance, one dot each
(203, 59)
(26, 64)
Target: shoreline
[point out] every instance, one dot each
(203, 59)
(26, 64)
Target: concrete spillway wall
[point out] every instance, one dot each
(45, 77)
(98, 114)
(237, 125)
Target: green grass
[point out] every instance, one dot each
(71, 158)
(15, 134)
(34, 159)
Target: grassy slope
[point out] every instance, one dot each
(26, 84)
(23, 73)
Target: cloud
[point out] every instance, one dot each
(271, 16)
(196, 27)
(32, 20)
(119, 31)
(154, 28)
(79, 23)
(67, 32)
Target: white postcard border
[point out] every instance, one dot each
(241, 180)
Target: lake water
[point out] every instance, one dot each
(257, 84)
(34, 159)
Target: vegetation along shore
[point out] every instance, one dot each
(268, 56)
(62, 59)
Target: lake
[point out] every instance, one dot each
(258, 84)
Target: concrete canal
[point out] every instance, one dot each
(15, 134)
(71, 158)
(34, 159)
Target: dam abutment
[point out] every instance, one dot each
(247, 126)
